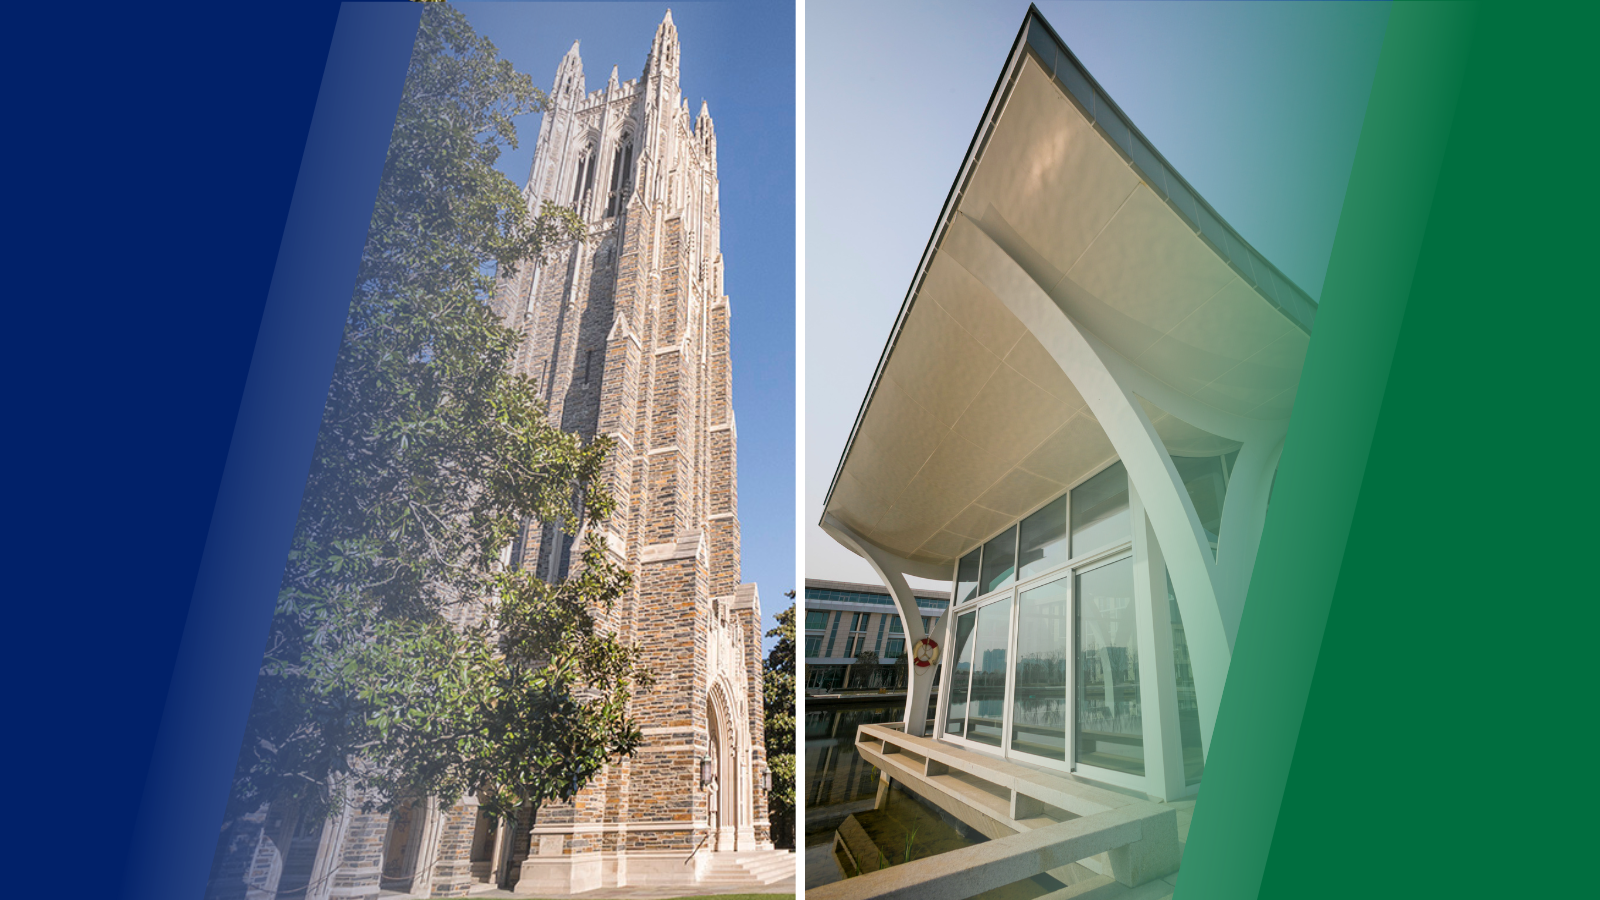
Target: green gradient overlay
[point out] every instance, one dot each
(1405, 714)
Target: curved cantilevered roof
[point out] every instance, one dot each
(968, 422)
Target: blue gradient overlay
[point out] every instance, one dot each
(215, 671)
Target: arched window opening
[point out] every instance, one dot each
(621, 176)
(583, 185)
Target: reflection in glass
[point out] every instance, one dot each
(1100, 510)
(989, 673)
(999, 561)
(1043, 544)
(1206, 479)
(835, 772)
(956, 719)
(1194, 761)
(967, 577)
(1110, 724)
(1039, 701)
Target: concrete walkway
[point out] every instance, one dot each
(645, 892)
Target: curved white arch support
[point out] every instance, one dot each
(893, 570)
(1108, 383)
(1244, 513)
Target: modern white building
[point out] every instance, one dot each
(1075, 423)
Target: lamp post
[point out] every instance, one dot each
(705, 772)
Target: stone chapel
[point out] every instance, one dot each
(625, 331)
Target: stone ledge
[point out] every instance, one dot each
(687, 546)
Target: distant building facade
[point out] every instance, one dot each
(843, 619)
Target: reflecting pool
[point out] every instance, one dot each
(851, 830)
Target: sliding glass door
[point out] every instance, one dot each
(1110, 723)
(1047, 672)
(1044, 659)
(1042, 702)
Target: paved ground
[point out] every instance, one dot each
(644, 892)
(641, 892)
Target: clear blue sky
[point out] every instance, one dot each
(739, 58)
(1258, 105)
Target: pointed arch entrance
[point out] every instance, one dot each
(722, 794)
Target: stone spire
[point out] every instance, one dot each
(664, 49)
(568, 86)
(706, 133)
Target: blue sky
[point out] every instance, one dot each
(739, 58)
(1258, 105)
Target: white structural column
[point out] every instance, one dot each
(1244, 509)
(893, 570)
(1158, 683)
(1111, 385)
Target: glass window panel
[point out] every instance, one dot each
(1042, 44)
(1110, 725)
(967, 577)
(814, 646)
(895, 627)
(1039, 701)
(1184, 200)
(897, 647)
(985, 718)
(1213, 230)
(1043, 540)
(1100, 510)
(1206, 479)
(816, 619)
(1241, 259)
(1000, 561)
(956, 718)
(1154, 173)
(1115, 128)
(1287, 296)
(1194, 761)
(1265, 282)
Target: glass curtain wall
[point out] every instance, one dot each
(985, 719)
(1194, 762)
(1040, 701)
(1205, 478)
(1110, 725)
(961, 675)
(1044, 651)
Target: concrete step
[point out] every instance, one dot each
(759, 867)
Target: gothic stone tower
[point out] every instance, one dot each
(625, 331)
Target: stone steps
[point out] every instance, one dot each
(761, 867)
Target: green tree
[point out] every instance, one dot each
(404, 658)
(900, 672)
(778, 688)
(866, 665)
